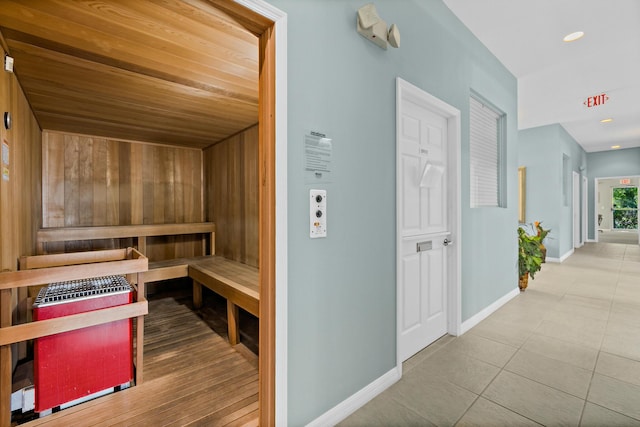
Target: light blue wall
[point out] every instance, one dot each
(342, 289)
(541, 151)
(609, 164)
(578, 163)
(538, 152)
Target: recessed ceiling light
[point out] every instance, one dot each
(609, 120)
(615, 147)
(573, 36)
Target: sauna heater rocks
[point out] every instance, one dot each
(85, 363)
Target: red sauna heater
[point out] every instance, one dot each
(76, 365)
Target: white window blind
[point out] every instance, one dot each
(485, 158)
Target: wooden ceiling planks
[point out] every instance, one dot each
(177, 72)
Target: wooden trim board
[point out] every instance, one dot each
(63, 234)
(22, 278)
(267, 220)
(256, 16)
(43, 328)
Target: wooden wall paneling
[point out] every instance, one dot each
(147, 183)
(169, 171)
(168, 166)
(99, 187)
(6, 202)
(78, 175)
(113, 182)
(188, 186)
(20, 208)
(35, 165)
(26, 197)
(180, 209)
(198, 196)
(53, 187)
(8, 354)
(234, 197)
(251, 213)
(18, 180)
(85, 181)
(99, 200)
(72, 190)
(157, 246)
(99, 154)
(158, 187)
(71, 181)
(219, 187)
(197, 187)
(180, 169)
(207, 180)
(231, 168)
(136, 174)
(125, 188)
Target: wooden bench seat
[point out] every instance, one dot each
(171, 268)
(237, 282)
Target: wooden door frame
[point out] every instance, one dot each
(406, 90)
(270, 25)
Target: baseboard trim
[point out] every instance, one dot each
(483, 314)
(562, 258)
(347, 407)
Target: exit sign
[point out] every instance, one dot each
(625, 181)
(596, 100)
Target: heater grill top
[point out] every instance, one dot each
(75, 290)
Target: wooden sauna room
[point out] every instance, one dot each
(138, 148)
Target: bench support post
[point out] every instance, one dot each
(197, 294)
(5, 361)
(233, 320)
(141, 296)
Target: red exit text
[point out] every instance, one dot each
(593, 101)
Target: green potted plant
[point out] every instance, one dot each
(529, 257)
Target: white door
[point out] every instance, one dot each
(422, 226)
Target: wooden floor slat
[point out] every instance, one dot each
(192, 377)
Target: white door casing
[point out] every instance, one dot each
(576, 210)
(427, 214)
(585, 210)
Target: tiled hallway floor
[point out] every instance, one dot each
(565, 352)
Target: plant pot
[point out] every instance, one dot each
(523, 281)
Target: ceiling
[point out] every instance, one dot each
(555, 78)
(172, 72)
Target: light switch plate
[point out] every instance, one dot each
(317, 213)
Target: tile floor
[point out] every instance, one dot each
(566, 352)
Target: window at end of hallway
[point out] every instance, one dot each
(487, 144)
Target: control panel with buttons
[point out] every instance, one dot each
(317, 213)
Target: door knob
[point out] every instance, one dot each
(447, 242)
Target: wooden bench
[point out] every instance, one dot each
(237, 282)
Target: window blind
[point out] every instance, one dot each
(484, 155)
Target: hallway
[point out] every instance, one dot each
(564, 352)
